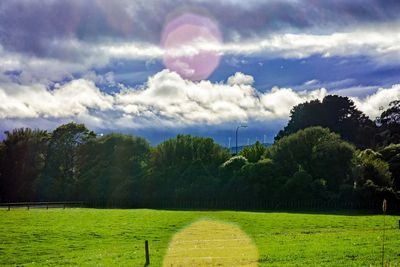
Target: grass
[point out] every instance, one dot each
(100, 237)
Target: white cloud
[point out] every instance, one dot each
(73, 99)
(165, 100)
(379, 43)
(311, 82)
(240, 78)
(374, 104)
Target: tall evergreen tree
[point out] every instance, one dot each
(337, 113)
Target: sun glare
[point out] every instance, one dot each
(188, 40)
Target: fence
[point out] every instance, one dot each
(47, 205)
(215, 204)
(251, 205)
(268, 205)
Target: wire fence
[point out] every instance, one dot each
(251, 205)
(46, 205)
(214, 204)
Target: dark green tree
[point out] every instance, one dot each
(253, 153)
(298, 187)
(22, 157)
(391, 154)
(316, 151)
(337, 113)
(177, 165)
(389, 125)
(260, 180)
(332, 161)
(59, 179)
(374, 180)
(110, 169)
(233, 165)
(374, 169)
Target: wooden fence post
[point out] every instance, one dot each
(146, 248)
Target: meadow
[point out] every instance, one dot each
(112, 237)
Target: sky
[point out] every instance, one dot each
(202, 67)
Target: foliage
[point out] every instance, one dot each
(318, 152)
(304, 164)
(110, 168)
(22, 157)
(374, 169)
(337, 113)
(298, 187)
(59, 179)
(263, 178)
(184, 166)
(390, 125)
(235, 163)
(391, 154)
(253, 153)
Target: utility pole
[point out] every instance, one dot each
(237, 130)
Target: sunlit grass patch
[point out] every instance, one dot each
(211, 243)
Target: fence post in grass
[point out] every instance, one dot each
(146, 249)
(9, 207)
(27, 206)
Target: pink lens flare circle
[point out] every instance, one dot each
(188, 41)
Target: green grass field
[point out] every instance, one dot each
(96, 237)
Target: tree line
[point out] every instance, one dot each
(329, 151)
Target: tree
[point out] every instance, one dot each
(389, 121)
(337, 113)
(261, 180)
(298, 187)
(374, 169)
(59, 178)
(110, 168)
(391, 154)
(317, 151)
(391, 116)
(374, 180)
(179, 162)
(253, 153)
(234, 164)
(332, 161)
(22, 157)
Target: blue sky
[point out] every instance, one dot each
(158, 68)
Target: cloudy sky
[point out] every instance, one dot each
(158, 68)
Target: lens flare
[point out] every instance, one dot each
(211, 243)
(188, 41)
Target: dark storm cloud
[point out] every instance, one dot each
(34, 27)
(30, 25)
